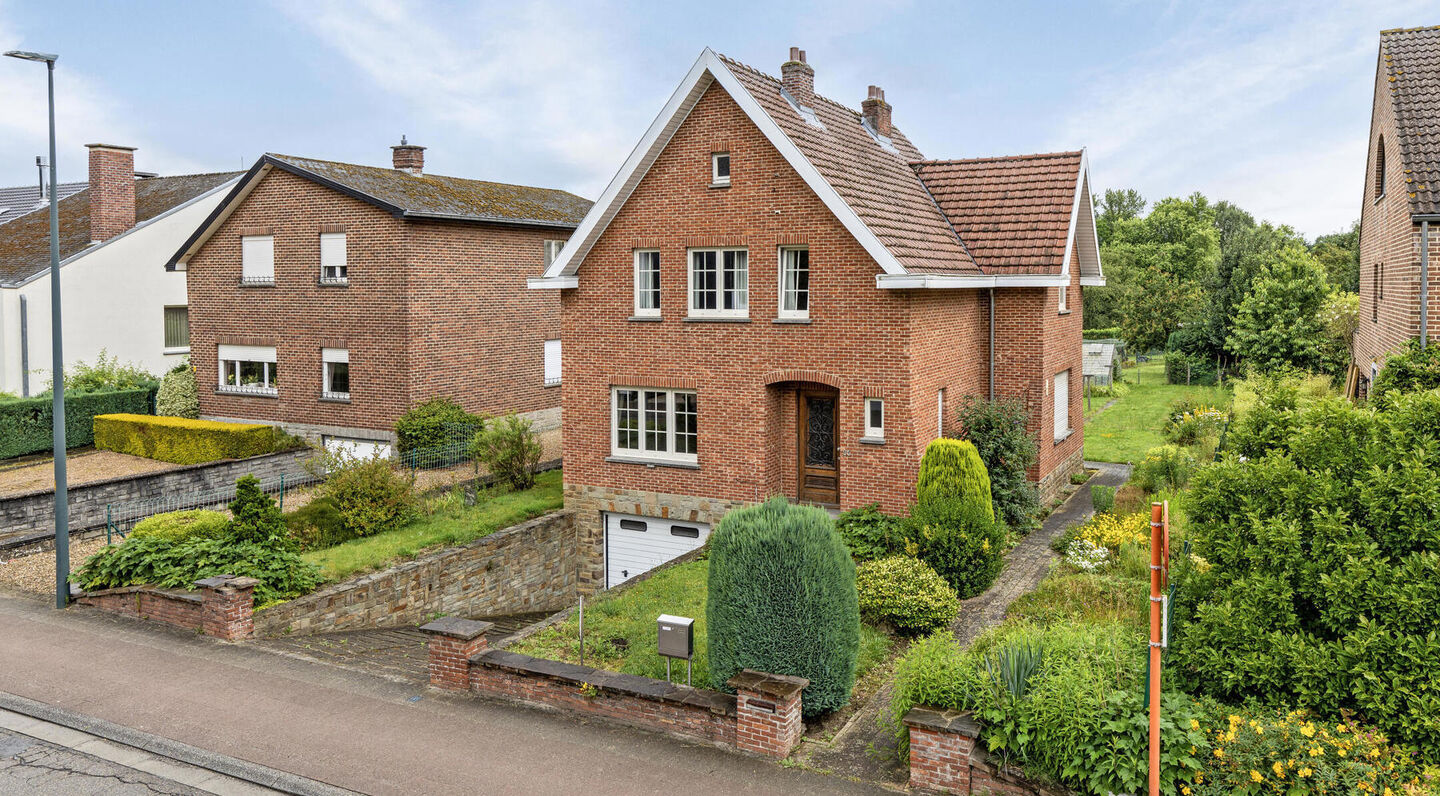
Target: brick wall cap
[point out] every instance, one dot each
(457, 627)
(632, 685)
(216, 582)
(779, 686)
(244, 582)
(958, 722)
(173, 594)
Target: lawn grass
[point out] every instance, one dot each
(630, 614)
(1136, 422)
(445, 521)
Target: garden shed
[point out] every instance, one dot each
(1101, 357)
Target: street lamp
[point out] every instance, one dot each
(57, 366)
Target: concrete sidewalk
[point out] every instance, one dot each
(349, 729)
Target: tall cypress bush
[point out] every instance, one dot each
(781, 599)
(951, 468)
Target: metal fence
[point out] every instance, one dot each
(121, 517)
(454, 448)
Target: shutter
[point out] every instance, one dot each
(335, 355)
(248, 353)
(1062, 404)
(257, 258)
(552, 361)
(332, 252)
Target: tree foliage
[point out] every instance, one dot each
(1339, 255)
(1278, 323)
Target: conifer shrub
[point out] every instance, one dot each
(960, 541)
(180, 525)
(254, 516)
(951, 468)
(781, 599)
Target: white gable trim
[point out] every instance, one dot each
(1096, 279)
(708, 69)
(919, 281)
(227, 207)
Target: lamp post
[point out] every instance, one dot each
(57, 366)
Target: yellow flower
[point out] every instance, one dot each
(1194, 725)
(1255, 775)
(1342, 751)
(1305, 772)
(1185, 789)
(1278, 769)
(1308, 730)
(1220, 753)
(1316, 751)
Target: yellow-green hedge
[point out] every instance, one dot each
(181, 440)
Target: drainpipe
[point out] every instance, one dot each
(24, 348)
(1424, 283)
(991, 292)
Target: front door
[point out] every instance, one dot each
(819, 465)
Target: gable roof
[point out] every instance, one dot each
(870, 184)
(1411, 60)
(408, 196)
(25, 242)
(16, 202)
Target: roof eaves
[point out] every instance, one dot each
(499, 220)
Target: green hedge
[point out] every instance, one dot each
(180, 440)
(27, 421)
(1106, 333)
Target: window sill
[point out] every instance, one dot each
(652, 462)
(549, 384)
(646, 318)
(872, 440)
(717, 319)
(719, 185)
(248, 393)
(1069, 432)
(800, 321)
(1066, 312)
(175, 350)
(323, 282)
(1379, 199)
(335, 397)
(257, 283)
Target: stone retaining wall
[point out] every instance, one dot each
(525, 568)
(33, 513)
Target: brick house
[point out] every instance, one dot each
(778, 294)
(1398, 283)
(330, 297)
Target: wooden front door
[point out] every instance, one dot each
(819, 464)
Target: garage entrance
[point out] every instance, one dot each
(635, 544)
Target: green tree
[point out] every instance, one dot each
(1115, 206)
(1278, 324)
(1245, 248)
(1339, 255)
(1160, 265)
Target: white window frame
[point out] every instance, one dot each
(645, 448)
(552, 362)
(164, 330)
(641, 256)
(1064, 298)
(552, 250)
(257, 259)
(720, 291)
(1062, 409)
(784, 284)
(230, 359)
(873, 431)
(715, 177)
(334, 356)
(334, 259)
(940, 413)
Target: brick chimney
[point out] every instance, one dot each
(408, 157)
(877, 111)
(798, 77)
(112, 190)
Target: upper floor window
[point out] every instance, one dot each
(655, 424)
(248, 369)
(333, 268)
(647, 284)
(552, 250)
(1380, 167)
(1064, 298)
(719, 168)
(177, 330)
(336, 362)
(552, 362)
(1377, 290)
(719, 283)
(257, 260)
(795, 283)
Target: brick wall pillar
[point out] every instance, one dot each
(227, 607)
(941, 743)
(453, 642)
(767, 712)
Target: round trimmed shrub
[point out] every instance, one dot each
(959, 540)
(178, 395)
(317, 524)
(905, 594)
(177, 526)
(781, 599)
(436, 423)
(952, 469)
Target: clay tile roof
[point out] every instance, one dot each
(433, 195)
(25, 242)
(1411, 60)
(878, 184)
(1013, 212)
(16, 202)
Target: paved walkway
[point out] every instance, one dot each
(346, 728)
(865, 748)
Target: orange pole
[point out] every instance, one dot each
(1157, 543)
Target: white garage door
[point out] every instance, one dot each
(357, 448)
(634, 545)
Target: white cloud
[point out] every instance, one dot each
(1267, 107)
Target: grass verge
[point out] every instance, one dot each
(1136, 422)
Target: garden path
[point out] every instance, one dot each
(865, 748)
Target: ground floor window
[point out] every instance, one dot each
(874, 418)
(177, 329)
(336, 373)
(248, 369)
(1062, 405)
(655, 424)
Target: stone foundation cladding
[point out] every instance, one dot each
(528, 567)
(221, 609)
(34, 512)
(944, 757)
(762, 718)
(1052, 486)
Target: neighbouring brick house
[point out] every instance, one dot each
(778, 294)
(1401, 201)
(330, 297)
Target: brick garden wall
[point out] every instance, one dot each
(221, 608)
(528, 567)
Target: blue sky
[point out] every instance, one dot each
(1264, 104)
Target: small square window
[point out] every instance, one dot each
(552, 250)
(720, 168)
(874, 418)
(177, 329)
